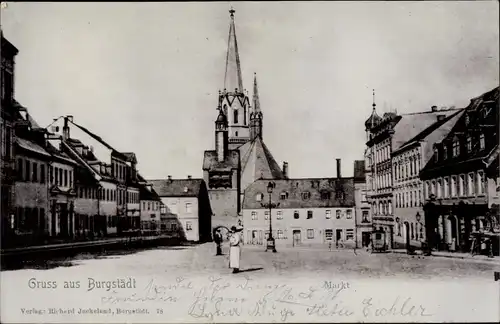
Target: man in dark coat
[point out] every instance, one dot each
(218, 242)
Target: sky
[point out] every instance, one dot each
(145, 76)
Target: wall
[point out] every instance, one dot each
(107, 207)
(288, 223)
(177, 206)
(151, 214)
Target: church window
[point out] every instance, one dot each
(259, 197)
(235, 116)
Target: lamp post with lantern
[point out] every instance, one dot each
(271, 243)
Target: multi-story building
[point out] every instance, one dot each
(240, 156)
(315, 211)
(7, 136)
(188, 206)
(460, 177)
(408, 195)
(384, 135)
(363, 208)
(150, 207)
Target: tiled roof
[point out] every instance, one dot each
(412, 124)
(257, 162)
(324, 192)
(31, 146)
(146, 194)
(100, 140)
(60, 155)
(433, 127)
(210, 161)
(177, 187)
(359, 170)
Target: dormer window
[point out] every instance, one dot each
(284, 195)
(445, 151)
(306, 195)
(259, 196)
(456, 147)
(482, 143)
(469, 144)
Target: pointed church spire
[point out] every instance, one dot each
(256, 102)
(232, 77)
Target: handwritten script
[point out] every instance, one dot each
(243, 297)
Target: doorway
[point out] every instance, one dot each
(365, 239)
(297, 237)
(338, 236)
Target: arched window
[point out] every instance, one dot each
(235, 116)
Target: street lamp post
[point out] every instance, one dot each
(271, 243)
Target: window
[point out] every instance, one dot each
(461, 185)
(325, 195)
(284, 195)
(20, 169)
(412, 233)
(28, 171)
(337, 214)
(328, 214)
(469, 144)
(188, 208)
(259, 197)
(279, 214)
(480, 183)
(309, 214)
(65, 178)
(446, 188)
(266, 215)
(453, 186)
(306, 195)
(280, 234)
(365, 217)
(60, 177)
(235, 116)
(328, 234)
(349, 214)
(349, 234)
(439, 189)
(445, 151)
(35, 172)
(71, 178)
(470, 184)
(456, 148)
(433, 187)
(296, 214)
(254, 215)
(310, 233)
(189, 226)
(482, 143)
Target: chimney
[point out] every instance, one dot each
(66, 128)
(338, 169)
(189, 177)
(285, 169)
(434, 108)
(169, 177)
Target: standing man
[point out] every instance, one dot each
(235, 242)
(218, 242)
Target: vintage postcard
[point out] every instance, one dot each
(250, 162)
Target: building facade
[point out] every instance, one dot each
(407, 163)
(363, 215)
(188, 207)
(7, 137)
(240, 156)
(311, 212)
(460, 177)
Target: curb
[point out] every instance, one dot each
(490, 260)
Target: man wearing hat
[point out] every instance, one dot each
(235, 242)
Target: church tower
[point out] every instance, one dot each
(221, 138)
(256, 114)
(233, 99)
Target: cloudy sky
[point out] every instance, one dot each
(145, 76)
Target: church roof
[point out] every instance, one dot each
(303, 193)
(257, 162)
(232, 77)
(373, 120)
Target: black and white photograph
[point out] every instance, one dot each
(250, 162)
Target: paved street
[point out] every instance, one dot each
(201, 260)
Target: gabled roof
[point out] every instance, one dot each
(257, 162)
(177, 187)
(449, 120)
(324, 192)
(412, 124)
(146, 194)
(31, 146)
